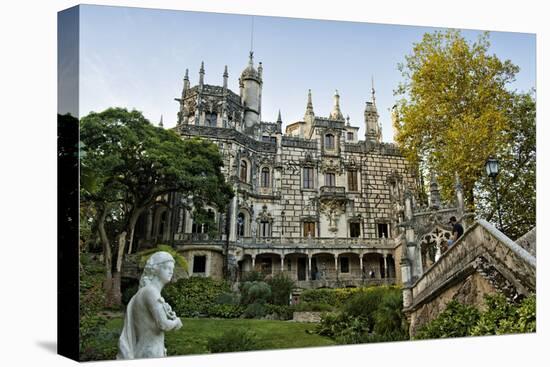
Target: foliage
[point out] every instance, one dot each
(516, 181)
(229, 298)
(255, 292)
(255, 310)
(128, 293)
(253, 276)
(503, 317)
(234, 341)
(371, 314)
(281, 312)
(499, 317)
(457, 320)
(96, 341)
(453, 113)
(145, 254)
(281, 289)
(225, 311)
(313, 307)
(194, 296)
(127, 165)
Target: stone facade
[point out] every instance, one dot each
(316, 202)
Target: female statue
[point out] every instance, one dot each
(148, 316)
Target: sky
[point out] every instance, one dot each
(136, 58)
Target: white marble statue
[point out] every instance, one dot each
(148, 316)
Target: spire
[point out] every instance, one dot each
(347, 120)
(251, 59)
(225, 76)
(160, 122)
(186, 77)
(201, 74)
(279, 120)
(260, 69)
(309, 107)
(336, 114)
(185, 83)
(372, 91)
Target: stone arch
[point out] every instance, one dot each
(243, 221)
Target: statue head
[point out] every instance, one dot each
(159, 265)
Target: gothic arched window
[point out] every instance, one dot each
(244, 174)
(330, 179)
(240, 224)
(266, 182)
(329, 141)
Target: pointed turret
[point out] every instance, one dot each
(201, 74)
(373, 133)
(279, 120)
(309, 107)
(336, 114)
(161, 124)
(225, 76)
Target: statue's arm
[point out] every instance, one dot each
(155, 304)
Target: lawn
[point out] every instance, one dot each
(192, 338)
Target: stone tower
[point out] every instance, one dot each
(373, 132)
(251, 96)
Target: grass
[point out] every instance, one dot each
(192, 338)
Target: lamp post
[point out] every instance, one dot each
(491, 166)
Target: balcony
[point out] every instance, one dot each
(315, 242)
(332, 192)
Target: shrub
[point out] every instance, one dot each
(503, 317)
(233, 341)
(225, 311)
(281, 289)
(322, 295)
(253, 276)
(229, 298)
(455, 321)
(313, 307)
(193, 296)
(281, 312)
(254, 311)
(255, 292)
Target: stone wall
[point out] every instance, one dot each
(482, 261)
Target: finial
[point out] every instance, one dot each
(260, 69)
(336, 114)
(279, 120)
(309, 108)
(347, 119)
(251, 58)
(225, 75)
(186, 77)
(201, 74)
(160, 122)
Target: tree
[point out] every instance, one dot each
(128, 165)
(453, 113)
(516, 181)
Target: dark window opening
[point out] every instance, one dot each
(266, 265)
(355, 229)
(329, 141)
(264, 229)
(383, 230)
(265, 177)
(211, 119)
(308, 178)
(330, 179)
(344, 265)
(350, 136)
(199, 264)
(352, 180)
(244, 173)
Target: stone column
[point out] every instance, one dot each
(361, 265)
(308, 270)
(282, 262)
(336, 265)
(253, 262)
(386, 266)
(233, 218)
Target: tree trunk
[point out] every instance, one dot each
(114, 294)
(132, 226)
(107, 259)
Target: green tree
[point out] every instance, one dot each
(128, 165)
(453, 113)
(516, 182)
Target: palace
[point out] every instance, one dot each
(315, 202)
